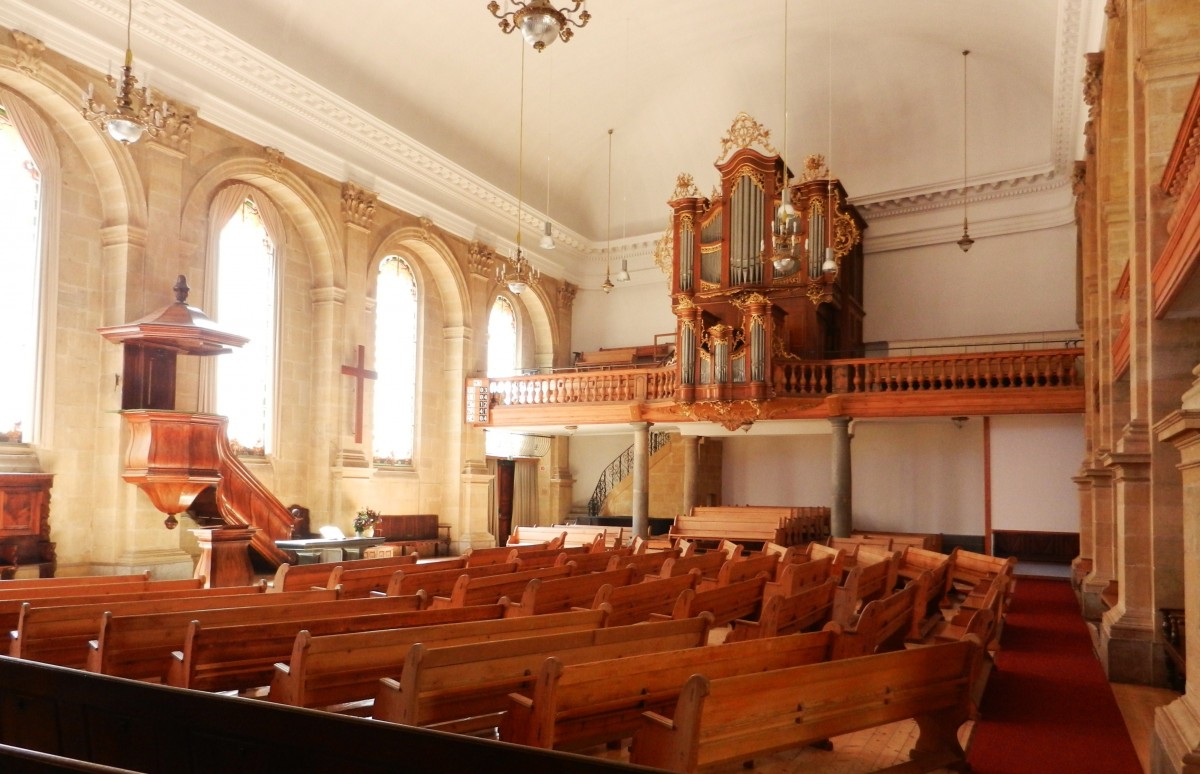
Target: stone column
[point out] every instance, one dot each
(691, 471)
(358, 214)
(562, 483)
(1127, 629)
(841, 522)
(641, 478)
(1096, 584)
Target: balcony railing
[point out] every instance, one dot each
(1025, 370)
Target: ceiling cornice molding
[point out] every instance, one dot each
(980, 229)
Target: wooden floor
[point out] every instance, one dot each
(1137, 704)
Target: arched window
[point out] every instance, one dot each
(502, 339)
(20, 232)
(396, 320)
(246, 306)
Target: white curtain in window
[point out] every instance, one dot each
(33, 130)
(525, 505)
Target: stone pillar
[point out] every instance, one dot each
(562, 483)
(841, 521)
(1176, 742)
(691, 471)
(641, 478)
(1098, 582)
(358, 214)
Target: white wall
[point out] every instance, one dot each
(1018, 283)
(590, 455)
(776, 470)
(629, 316)
(1033, 460)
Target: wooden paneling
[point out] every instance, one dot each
(24, 520)
(1056, 547)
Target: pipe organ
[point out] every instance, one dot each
(754, 282)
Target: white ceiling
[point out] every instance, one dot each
(421, 100)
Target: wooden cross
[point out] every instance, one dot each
(360, 374)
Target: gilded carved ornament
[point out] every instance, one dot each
(731, 415)
(358, 205)
(480, 259)
(664, 249)
(683, 305)
(685, 188)
(1114, 9)
(747, 171)
(814, 168)
(1093, 82)
(1079, 179)
(170, 127)
(29, 52)
(743, 133)
(779, 351)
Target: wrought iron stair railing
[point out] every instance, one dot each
(619, 469)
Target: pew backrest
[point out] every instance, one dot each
(243, 657)
(489, 589)
(726, 603)
(739, 718)
(806, 610)
(298, 577)
(441, 582)
(637, 602)
(572, 706)
(340, 671)
(448, 685)
(558, 595)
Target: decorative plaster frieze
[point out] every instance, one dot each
(427, 228)
(566, 295)
(480, 259)
(274, 158)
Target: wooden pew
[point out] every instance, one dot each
(477, 557)
(558, 595)
(731, 572)
(339, 672)
(243, 657)
(794, 578)
(144, 727)
(365, 581)
(60, 634)
(299, 577)
(440, 582)
(66, 591)
(466, 687)
(742, 524)
(882, 624)
(806, 610)
(648, 563)
(708, 564)
(873, 576)
(6, 586)
(574, 706)
(613, 357)
(739, 718)
(837, 555)
(989, 595)
(571, 535)
(932, 572)
(140, 646)
(726, 603)
(488, 589)
(593, 561)
(638, 602)
(546, 557)
(930, 541)
(970, 568)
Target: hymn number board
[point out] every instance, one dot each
(479, 396)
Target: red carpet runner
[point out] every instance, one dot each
(1048, 707)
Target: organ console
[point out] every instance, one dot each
(764, 270)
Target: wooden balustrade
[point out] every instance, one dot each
(589, 387)
(979, 374)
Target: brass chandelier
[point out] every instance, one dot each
(135, 113)
(539, 21)
(515, 271)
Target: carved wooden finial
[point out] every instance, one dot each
(181, 289)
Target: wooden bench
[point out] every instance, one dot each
(882, 624)
(726, 603)
(574, 706)
(415, 533)
(709, 564)
(243, 657)
(988, 595)
(143, 727)
(607, 358)
(930, 541)
(648, 563)
(592, 561)
(439, 582)
(764, 565)
(970, 567)
(139, 647)
(489, 589)
(339, 672)
(746, 716)
(543, 557)
(794, 578)
(60, 634)
(639, 602)
(97, 589)
(932, 572)
(570, 535)
(477, 557)
(6, 586)
(466, 687)
(296, 577)
(803, 611)
(558, 595)
(873, 577)
(756, 525)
